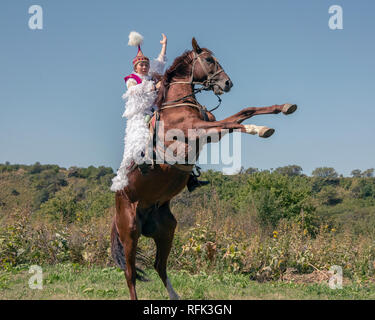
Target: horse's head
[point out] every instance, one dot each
(197, 66)
(208, 71)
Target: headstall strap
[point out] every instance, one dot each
(206, 85)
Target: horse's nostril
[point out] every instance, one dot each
(229, 83)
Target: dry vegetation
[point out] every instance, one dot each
(266, 226)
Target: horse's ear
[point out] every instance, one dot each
(196, 47)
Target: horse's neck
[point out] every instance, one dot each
(180, 89)
(184, 89)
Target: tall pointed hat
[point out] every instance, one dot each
(136, 39)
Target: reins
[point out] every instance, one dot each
(206, 85)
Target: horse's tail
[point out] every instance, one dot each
(117, 249)
(118, 254)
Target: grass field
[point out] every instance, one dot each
(72, 282)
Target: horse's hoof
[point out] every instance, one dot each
(266, 132)
(289, 108)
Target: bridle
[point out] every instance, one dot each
(206, 84)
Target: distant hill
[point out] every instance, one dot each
(37, 187)
(81, 193)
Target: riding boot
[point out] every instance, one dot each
(194, 183)
(144, 167)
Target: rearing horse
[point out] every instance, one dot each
(143, 207)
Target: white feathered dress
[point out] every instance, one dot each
(139, 101)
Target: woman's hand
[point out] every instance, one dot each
(164, 45)
(164, 40)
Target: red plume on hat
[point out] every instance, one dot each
(136, 39)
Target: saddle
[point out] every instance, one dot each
(144, 168)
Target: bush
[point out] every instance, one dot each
(64, 204)
(26, 241)
(276, 196)
(212, 246)
(329, 196)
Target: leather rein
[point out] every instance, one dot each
(206, 85)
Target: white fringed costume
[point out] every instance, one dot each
(139, 101)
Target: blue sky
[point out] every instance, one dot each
(61, 87)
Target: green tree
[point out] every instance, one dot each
(356, 173)
(369, 173)
(325, 172)
(329, 196)
(64, 204)
(73, 172)
(15, 192)
(277, 197)
(292, 170)
(251, 170)
(36, 168)
(47, 183)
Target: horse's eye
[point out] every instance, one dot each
(210, 60)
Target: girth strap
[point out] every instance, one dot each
(202, 109)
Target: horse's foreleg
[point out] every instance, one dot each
(252, 111)
(163, 239)
(220, 128)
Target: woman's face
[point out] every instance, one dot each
(142, 68)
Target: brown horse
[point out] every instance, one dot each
(143, 207)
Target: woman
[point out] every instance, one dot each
(140, 98)
(139, 107)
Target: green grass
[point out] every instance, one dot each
(70, 281)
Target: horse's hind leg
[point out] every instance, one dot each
(163, 237)
(128, 228)
(130, 271)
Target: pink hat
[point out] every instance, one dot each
(136, 39)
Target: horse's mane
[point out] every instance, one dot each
(180, 68)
